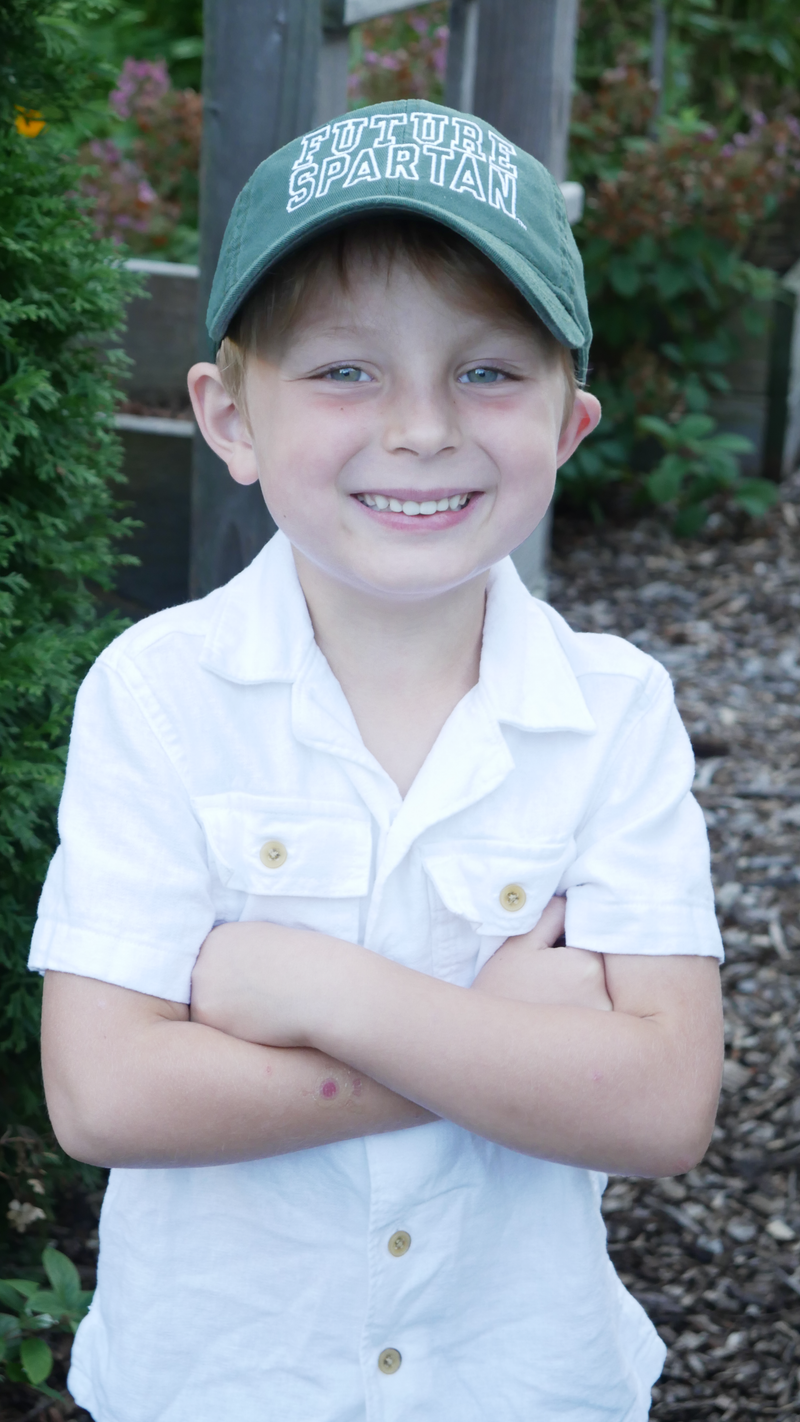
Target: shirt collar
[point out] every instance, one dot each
(526, 676)
(261, 632)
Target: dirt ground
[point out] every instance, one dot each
(714, 1256)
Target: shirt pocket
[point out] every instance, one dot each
(300, 863)
(499, 887)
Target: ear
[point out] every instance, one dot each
(585, 417)
(221, 423)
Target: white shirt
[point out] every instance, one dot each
(266, 1291)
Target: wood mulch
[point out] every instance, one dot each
(714, 1256)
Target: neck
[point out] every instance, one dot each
(403, 665)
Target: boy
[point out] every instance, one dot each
(355, 1166)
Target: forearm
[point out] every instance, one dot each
(163, 1091)
(625, 1091)
(562, 1083)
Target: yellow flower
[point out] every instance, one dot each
(29, 122)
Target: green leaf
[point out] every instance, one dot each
(63, 1276)
(736, 444)
(651, 424)
(664, 484)
(756, 496)
(695, 427)
(36, 1359)
(14, 1293)
(624, 276)
(47, 1301)
(690, 520)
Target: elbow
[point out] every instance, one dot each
(676, 1140)
(80, 1126)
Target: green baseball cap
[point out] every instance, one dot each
(411, 156)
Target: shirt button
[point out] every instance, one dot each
(389, 1361)
(513, 897)
(272, 854)
(399, 1243)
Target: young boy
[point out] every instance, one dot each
(356, 1168)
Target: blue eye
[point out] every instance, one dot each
(347, 374)
(481, 375)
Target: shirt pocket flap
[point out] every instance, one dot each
(262, 844)
(499, 887)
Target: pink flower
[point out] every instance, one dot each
(140, 85)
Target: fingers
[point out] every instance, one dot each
(551, 924)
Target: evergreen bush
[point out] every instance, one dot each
(62, 299)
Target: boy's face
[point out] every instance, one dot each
(392, 397)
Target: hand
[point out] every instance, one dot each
(531, 968)
(257, 981)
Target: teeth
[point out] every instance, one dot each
(410, 507)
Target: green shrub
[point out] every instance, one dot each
(61, 301)
(664, 240)
(27, 1311)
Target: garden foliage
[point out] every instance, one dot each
(30, 1314)
(669, 219)
(143, 183)
(61, 301)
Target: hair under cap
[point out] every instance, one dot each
(416, 157)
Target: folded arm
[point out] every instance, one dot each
(632, 1090)
(130, 1081)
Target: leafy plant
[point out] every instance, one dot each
(665, 237)
(27, 1311)
(725, 59)
(699, 462)
(144, 181)
(400, 56)
(62, 296)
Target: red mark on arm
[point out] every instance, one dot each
(329, 1089)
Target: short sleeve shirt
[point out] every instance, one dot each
(216, 774)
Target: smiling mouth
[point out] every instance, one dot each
(411, 507)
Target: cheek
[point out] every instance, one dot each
(308, 445)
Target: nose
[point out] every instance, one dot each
(421, 421)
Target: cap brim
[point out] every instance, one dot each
(536, 291)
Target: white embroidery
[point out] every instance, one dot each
(301, 186)
(333, 167)
(364, 169)
(401, 161)
(347, 135)
(353, 151)
(387, 123)
(467, 177)
(311, 142)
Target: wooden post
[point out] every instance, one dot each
(259, 82)
(511, 62)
